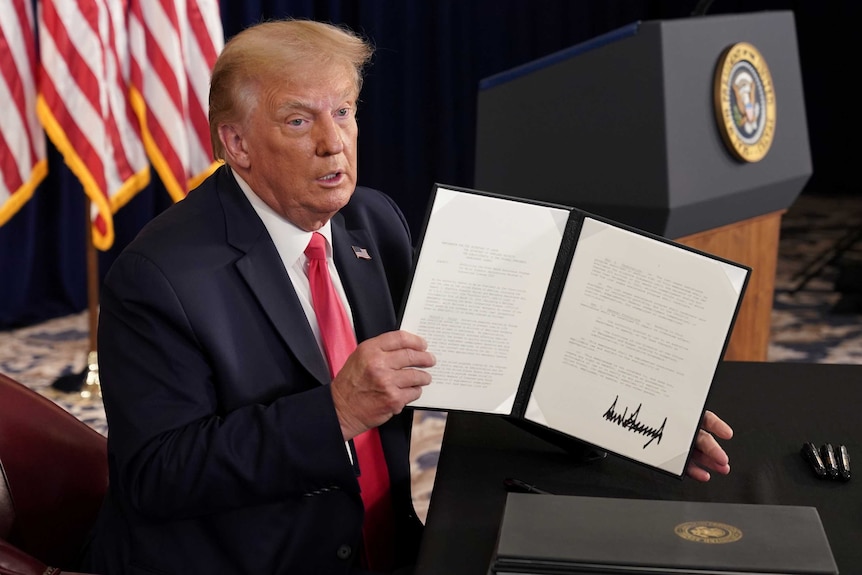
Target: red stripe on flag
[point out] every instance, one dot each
(9, 166)
(79, 149)
(28, 37)
(161, 66)
(9, 70)
(198, 27)
(199, 110)
(8, 162)
(22, 142)
(121, 155)
(170, 156)
(78, 67)
(199, 120)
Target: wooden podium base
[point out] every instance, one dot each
(752, 242)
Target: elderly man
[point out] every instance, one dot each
(249, 433)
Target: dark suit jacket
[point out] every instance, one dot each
(225, 452)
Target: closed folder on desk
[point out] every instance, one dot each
(555, 534)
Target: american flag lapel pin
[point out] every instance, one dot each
(361, 253)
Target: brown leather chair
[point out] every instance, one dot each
(53, 477)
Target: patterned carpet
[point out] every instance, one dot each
(813, 320)
(817, 312)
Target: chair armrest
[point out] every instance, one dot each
(13, 561)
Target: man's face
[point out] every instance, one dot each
(298, 146)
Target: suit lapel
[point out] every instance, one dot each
(262, 269)
(367, 291)
(364, 280)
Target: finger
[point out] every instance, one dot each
(708, 446)
(702, 460)
(410, 395)
(715, 425)
(697, 473)
(409, 377)
(400, 339)
(699, 467)
(406, 358)
(401, 395)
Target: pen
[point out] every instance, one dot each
(827, 453)
(812, 456)
(518, 486)
(843, 463)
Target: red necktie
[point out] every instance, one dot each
(338, 343)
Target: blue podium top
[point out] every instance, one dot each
(559, 56)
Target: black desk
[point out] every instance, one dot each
(773, 408)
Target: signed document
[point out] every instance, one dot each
(574, 322)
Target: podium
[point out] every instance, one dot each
(693, 129)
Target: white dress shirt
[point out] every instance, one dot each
(290, 243)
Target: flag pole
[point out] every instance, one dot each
(86, 382)
(91, 387)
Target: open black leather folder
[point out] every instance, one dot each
(589, 328)
(557, 534)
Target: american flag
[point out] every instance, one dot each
(124, 84)
(361, 253)
(84, 105)
(23, 163)
(174, 45)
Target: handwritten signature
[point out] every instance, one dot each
(631, 423)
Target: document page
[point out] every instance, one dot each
(634, 345)
(478, 289)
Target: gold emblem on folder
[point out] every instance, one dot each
(708, 532)
(744, 102)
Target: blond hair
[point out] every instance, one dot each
(271, 50)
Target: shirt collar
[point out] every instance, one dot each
(290, 240)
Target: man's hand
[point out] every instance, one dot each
(379, 379)
(707, 453)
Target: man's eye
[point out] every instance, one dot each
(295, 122)
(343, 112)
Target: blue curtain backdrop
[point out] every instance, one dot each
(417, 114)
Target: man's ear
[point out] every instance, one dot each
(234, 144)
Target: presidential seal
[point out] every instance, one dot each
(744, 102)
(708, 532)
